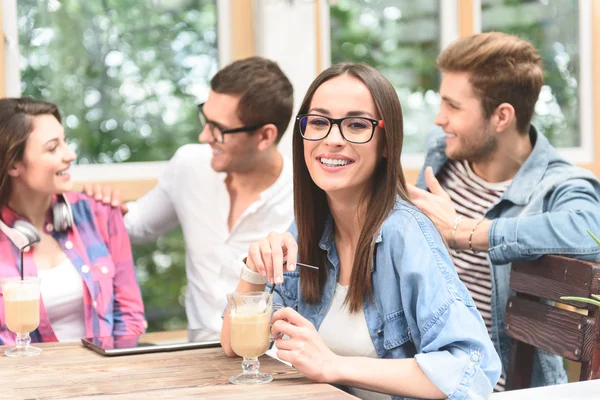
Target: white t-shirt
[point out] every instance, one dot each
(62, 294)
(192, 194)
(348, 335)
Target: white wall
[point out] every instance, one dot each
(286, 32)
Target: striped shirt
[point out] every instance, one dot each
(472, 197)
(99, 248)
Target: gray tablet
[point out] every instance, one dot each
(137, 344)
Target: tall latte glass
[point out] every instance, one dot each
(22, 312)
(250, 317)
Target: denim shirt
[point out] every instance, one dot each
(545, 210)
(420, 308)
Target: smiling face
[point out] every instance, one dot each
(238, 151)
(335, 165)
(45, 165)
(470, 136)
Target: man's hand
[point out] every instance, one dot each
(106, 195)
(436, 204)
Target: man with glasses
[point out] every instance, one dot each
(244, 194)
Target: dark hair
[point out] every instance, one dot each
(502, 69)
(311, 208)
(266, 94)
(16, 124)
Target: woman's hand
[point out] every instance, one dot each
(304, 349)
(268, 254)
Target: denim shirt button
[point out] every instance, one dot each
(504, 247)
(475, 358)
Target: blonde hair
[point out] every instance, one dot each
(502, 69)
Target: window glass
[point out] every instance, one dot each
(401, 38)
(553, 28)
(125, 74)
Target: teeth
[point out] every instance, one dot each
(61, 173)
(330, 162)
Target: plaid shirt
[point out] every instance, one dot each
(99, 248)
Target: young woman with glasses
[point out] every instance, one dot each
(385, 313)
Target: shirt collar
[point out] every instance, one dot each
(532, 171)
(283, 179)
(327, 240)
(529, 175)
(9, 217)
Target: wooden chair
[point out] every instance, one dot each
(532, 324)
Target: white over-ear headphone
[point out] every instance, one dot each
(62, 214)
(24, 234)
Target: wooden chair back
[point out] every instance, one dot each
(561, 330)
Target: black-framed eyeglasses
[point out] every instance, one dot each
(217, 132)
(356, 130)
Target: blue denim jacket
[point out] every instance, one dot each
(545, 210)
(420, 309)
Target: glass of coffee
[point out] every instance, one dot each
(250, 325)
(22, 312)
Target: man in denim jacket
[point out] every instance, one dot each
(497, 189)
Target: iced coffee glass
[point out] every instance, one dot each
(22, 312)
(250, 318)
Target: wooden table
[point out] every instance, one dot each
(70, 371)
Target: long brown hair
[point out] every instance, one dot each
(16, 124)
(311, 208)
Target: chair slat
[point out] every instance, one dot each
(568, 334)
(551, 277)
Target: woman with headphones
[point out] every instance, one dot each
(88, 283)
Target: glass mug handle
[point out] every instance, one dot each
(272, 338)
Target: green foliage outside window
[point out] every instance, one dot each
(553, 28)
(401, 38)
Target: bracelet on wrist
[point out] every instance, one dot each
(250, 276)
(453, 241)
(471, 236)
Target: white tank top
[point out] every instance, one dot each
(357, 340)
(62, 293)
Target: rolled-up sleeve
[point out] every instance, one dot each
(457, 345)
(571, 209)
(453, 346)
